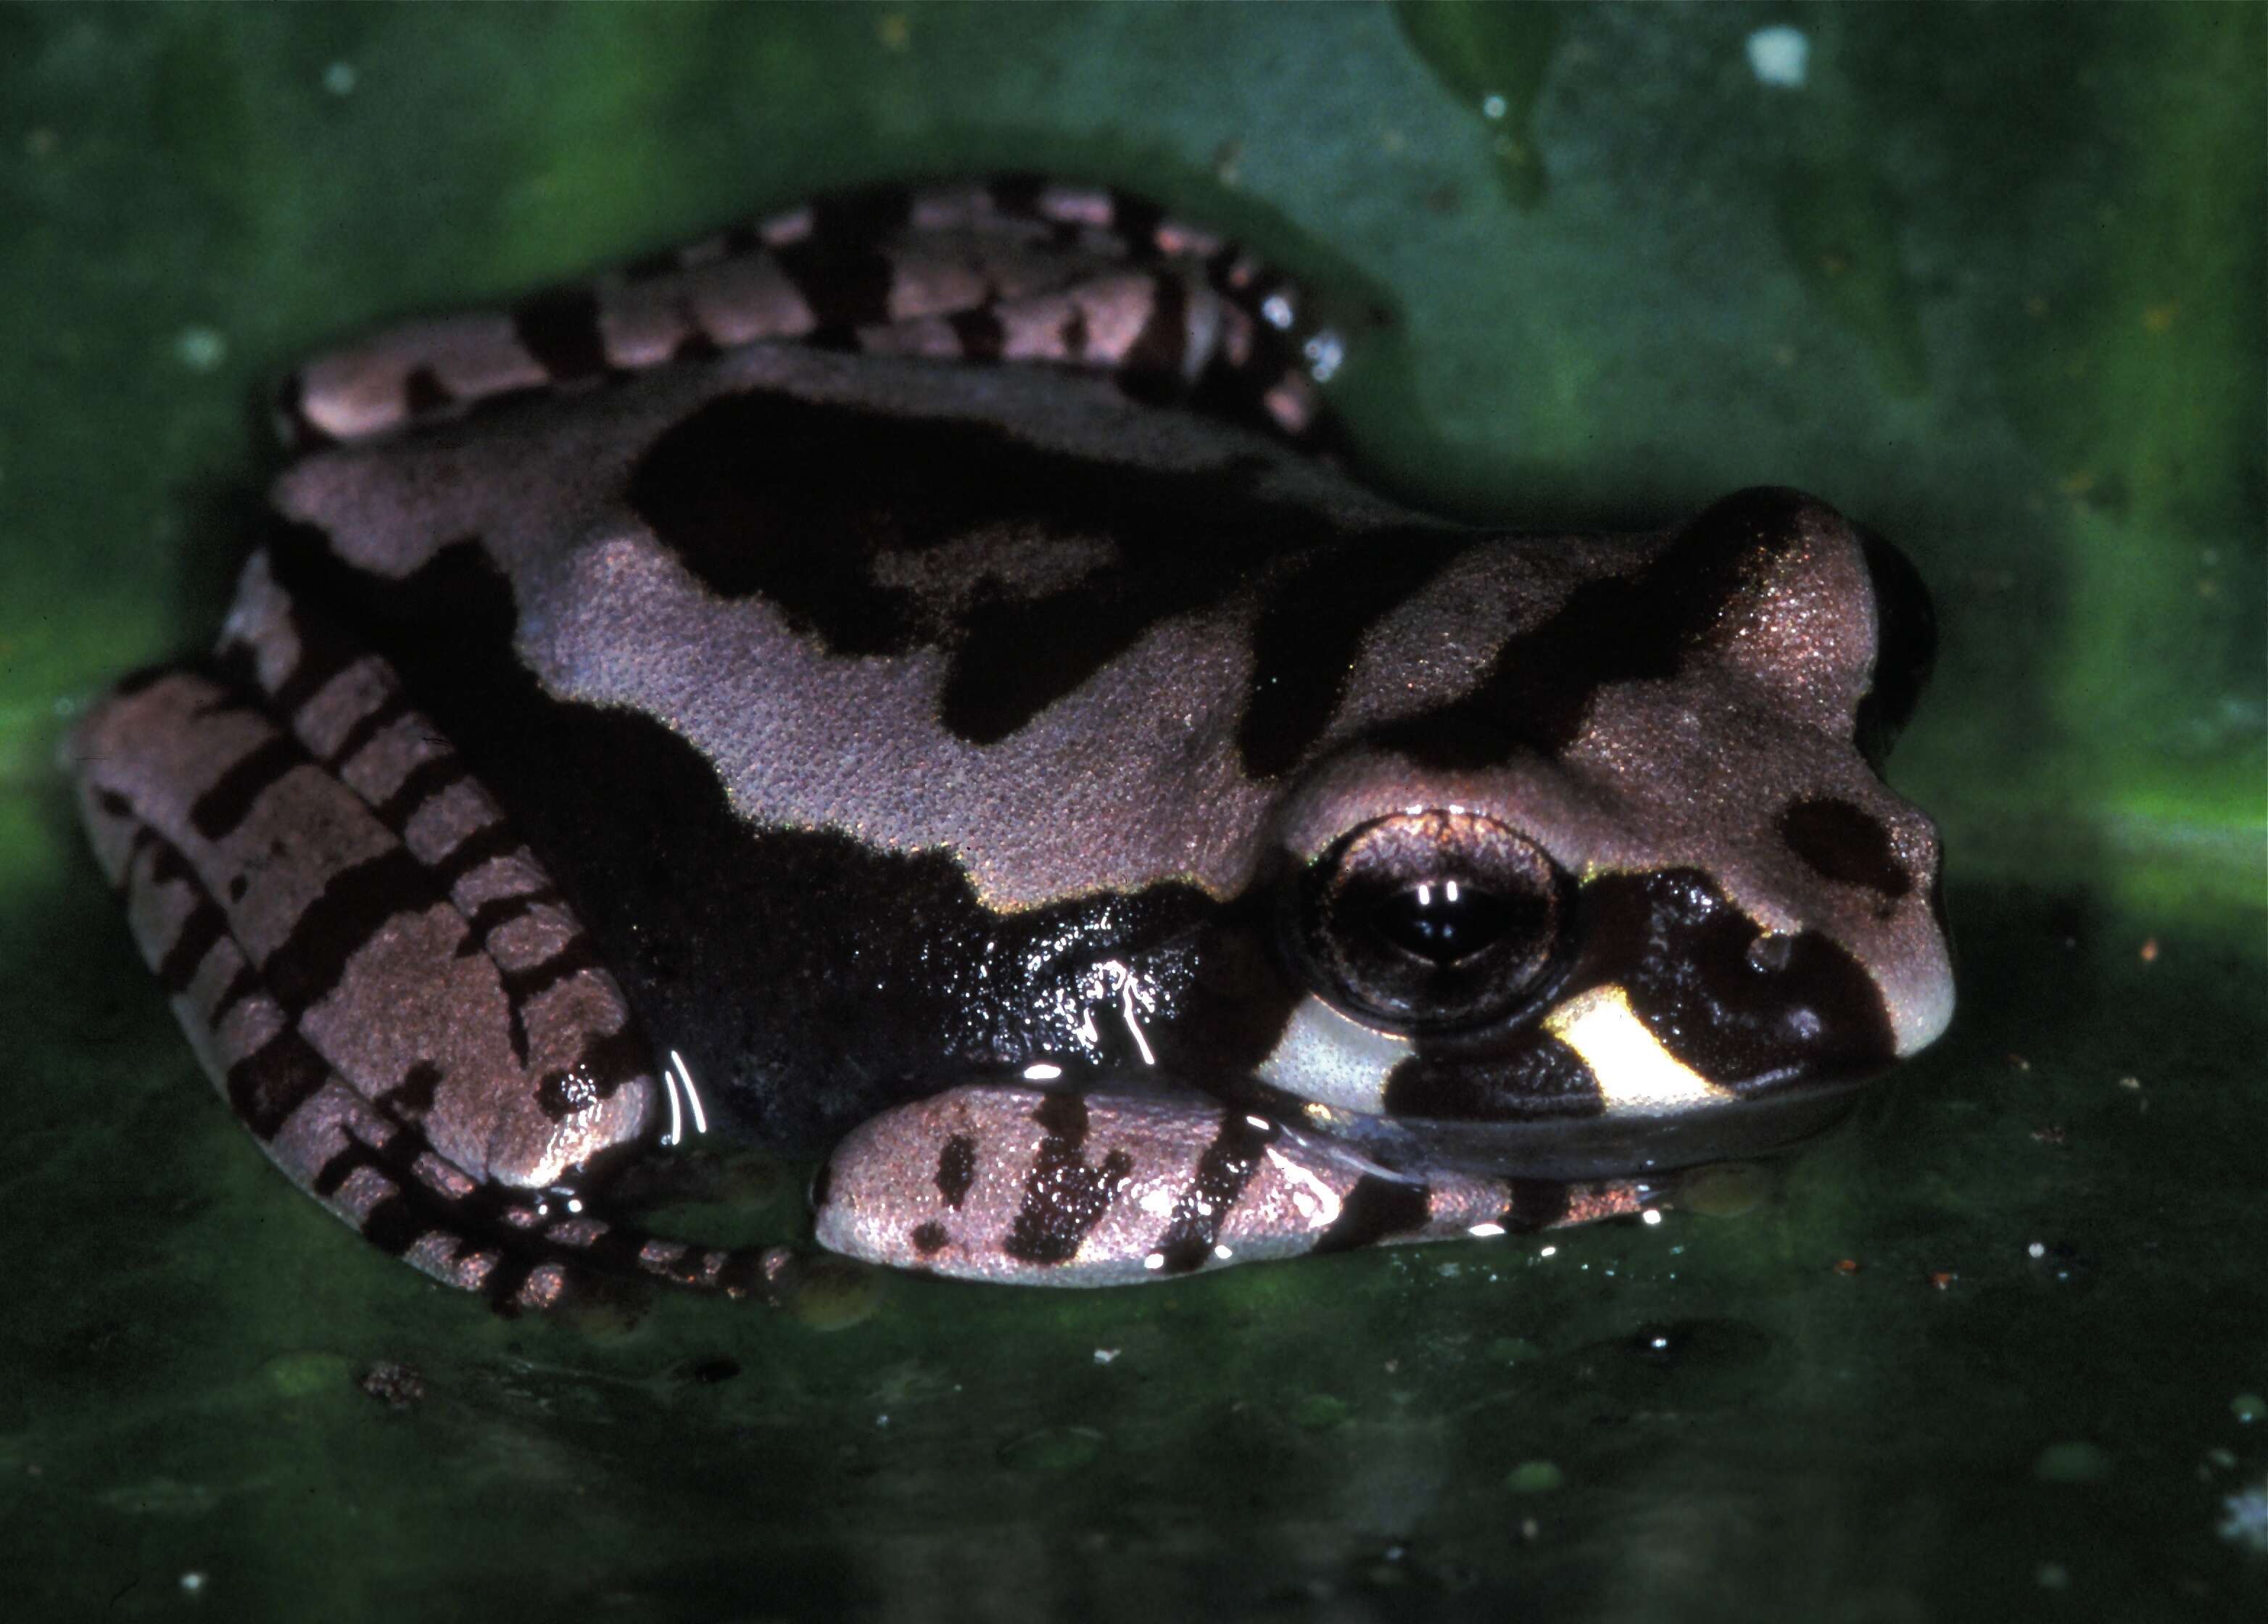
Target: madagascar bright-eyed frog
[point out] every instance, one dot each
(898, 678)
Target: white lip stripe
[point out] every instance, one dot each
(1634, 1072)
(1325, 1057)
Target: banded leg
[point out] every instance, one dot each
(374, 969)
(1113, 1189)
(1014, 270)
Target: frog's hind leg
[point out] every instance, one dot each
(1049, 1187)
(1014, 270)
(372, 967)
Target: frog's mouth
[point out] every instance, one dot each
(1622, 1144)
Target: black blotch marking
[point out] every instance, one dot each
(368, 726)
(621, 1251)
(862, 216)
(394, 1223)
(1136, 220)
(497, 912)
(846, 288)
(928, 1237)
(562, 1093)
(1063, 1197)
(1223, 1170)
(525, 986)
(506, 1281)
(1638, 627)
(697, 345)
(956, 1169)
(428, 779)
(978, 331)
(484, 844)
(266, 1086)
(1535, 1204)
(1843, 843)
(1017, 193)
(615, 1057)
(331, 1177)
(1374, 1210)
(168, 865)
(275, 1079)
(1518, 1077)
(1073, 334)
(340, 921)
(806, 504)
(1681, 951)
(323, 655)
(1151, 367)
(561, 330)
(299, 432)
(412, 1097)
(422, 391)
(241, 986)
(219, 811)
(205, 927)
(1308, 635)
(608, 1061)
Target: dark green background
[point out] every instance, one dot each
(1992, 280)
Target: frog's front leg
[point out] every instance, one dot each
(383, 983)
(1039, 1186)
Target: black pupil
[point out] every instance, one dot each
(1444, 921)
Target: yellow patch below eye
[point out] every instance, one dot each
(1634, 1072)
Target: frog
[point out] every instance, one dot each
(910, 681)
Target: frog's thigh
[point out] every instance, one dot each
(373, 968)
(1037, 1187)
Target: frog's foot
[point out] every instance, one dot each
(1036, 1188)
(385, 986)
(1012, 269)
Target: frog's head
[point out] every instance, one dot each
(1644, 875)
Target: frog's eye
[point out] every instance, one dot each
(1432, 920)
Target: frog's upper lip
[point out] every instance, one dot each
(1606, 1146)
